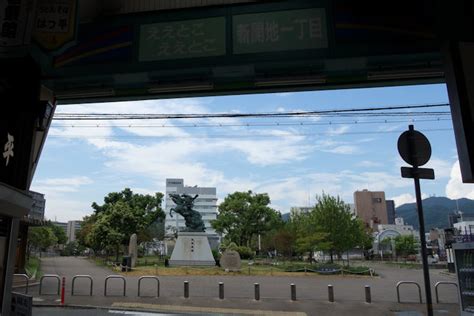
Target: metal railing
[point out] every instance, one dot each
(149, 277)
(408, 282)
(26, 278)
(115, 277)
(82, 276)
(367, 289)
(46, 276)
(442, 282)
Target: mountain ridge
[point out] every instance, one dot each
(435, 211)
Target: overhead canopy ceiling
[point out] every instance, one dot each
(124, 50)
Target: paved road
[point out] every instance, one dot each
(275, 291)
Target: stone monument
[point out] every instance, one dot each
(230, 261)
(192, 246)
(133, 250)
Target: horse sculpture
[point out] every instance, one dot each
(184, 207)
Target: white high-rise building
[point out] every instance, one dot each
(206, 204)
(73, 228)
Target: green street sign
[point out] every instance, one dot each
(279, 31)
(182, 39)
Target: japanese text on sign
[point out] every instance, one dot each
(277, 31)
(184, 39)
(10, 20)
(8, 149)
(53, 17)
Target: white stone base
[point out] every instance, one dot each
(192, 249)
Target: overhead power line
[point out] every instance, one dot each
(253, 135)
(253, 124)
(369, 111)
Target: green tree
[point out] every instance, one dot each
(245, 215)
(72, 248)
(59, 233)
(40, 238)
(83, 236)
(309, 236)
(405, 245)
(342, 231)
(281, 239)
(122, 214)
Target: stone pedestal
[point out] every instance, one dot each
(192, 249)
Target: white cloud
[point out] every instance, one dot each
(442, 168)
(404, 198)
(60, 194)
(280, 149)
(456, 189)
(390, 127)
(369, 164)
(71, 184)
(337, 147)
(344, 150)
(301, 190)
(333, 131)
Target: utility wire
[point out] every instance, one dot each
(356, 122)
(337, 112)
(244, 135)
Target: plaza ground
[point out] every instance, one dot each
(311, 292)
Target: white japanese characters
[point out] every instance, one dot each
(8, 148)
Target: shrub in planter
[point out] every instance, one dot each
(245, 252)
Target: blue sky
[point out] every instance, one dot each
(292, 163)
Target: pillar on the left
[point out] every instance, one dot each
(23, 125)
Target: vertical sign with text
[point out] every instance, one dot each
(16, 20)
(55, 23)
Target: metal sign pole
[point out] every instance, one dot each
(415, 149)
(424, 257)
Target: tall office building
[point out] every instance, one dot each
(371, 207)
(206, 204)
(390, 211)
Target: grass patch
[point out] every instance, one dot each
(33, 268)
(249, 267)
(154, 265)
(404, 265)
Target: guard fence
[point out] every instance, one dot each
(220, 286)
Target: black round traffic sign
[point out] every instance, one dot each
(414, 148)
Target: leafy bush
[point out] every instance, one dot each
(216, 254)
(245, 252)
(227, 245)
(72, 248)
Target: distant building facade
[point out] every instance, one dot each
(72, 229)
(454, 217)
(62, 225)
(38, 207)
(35, 217)
(371, 207)
(392, 231)
(399, 221)
(464, 227)
(390, 211)
(205, 204)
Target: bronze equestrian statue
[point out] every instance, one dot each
(184, 207)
